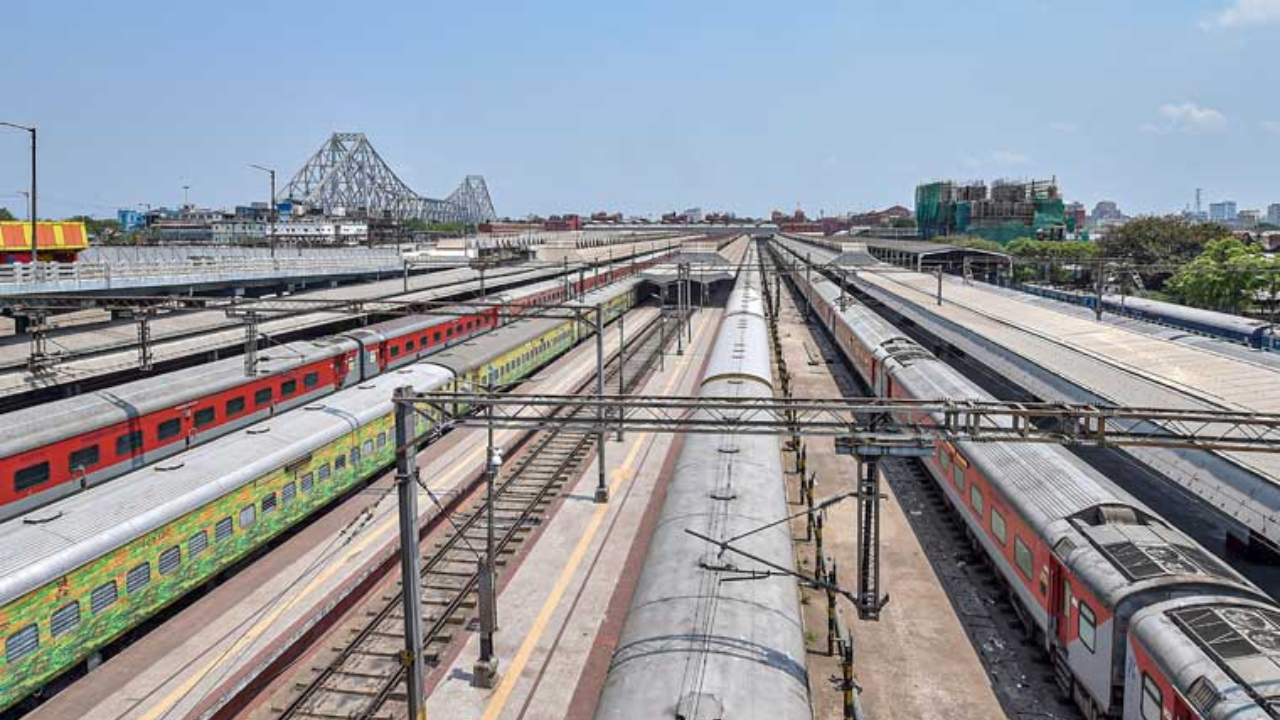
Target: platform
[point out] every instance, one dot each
(898, 659)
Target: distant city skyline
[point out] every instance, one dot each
(579, 106)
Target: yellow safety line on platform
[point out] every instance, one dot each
(166, 704)
(509, 679)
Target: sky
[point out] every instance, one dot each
(646, 107)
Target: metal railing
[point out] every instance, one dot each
(49, 272)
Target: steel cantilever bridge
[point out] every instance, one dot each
(346, 172)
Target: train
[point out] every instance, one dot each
(1138, 620)
(692, 644)
(58, 448)
(1257, 334)
(80, 572)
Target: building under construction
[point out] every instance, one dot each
(1007, 210)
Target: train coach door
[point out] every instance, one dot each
(1059, 601)
(341, 369)
(1059, 635)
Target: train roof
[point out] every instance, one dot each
(54, 540)
(1227, 321)
(50, 422)
(464, 357)
(604, 294)
(1222, 654)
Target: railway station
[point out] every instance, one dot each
(601, 361)
(707, 472)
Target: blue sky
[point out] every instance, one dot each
(648, 106)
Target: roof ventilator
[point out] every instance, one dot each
(699, 706)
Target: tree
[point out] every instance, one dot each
(5, 215)
(965, 241)
(100, 229)
(1225, 277)
(1063, 250)
(1157, 240)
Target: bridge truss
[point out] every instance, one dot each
(348, 173)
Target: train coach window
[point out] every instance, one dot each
(395, 351)
(103, 597)
(310, 380)
(944, 459)
(129, 443)
(409, 345)
(83, 458)
(368, 447)
(269, 504)
(222, 530)
(234, 406)
(65, 619)
(1152, 699)
(958, 477)
(288, 387)
(198, 543)
(170, 559)
(324, 471)
(1087, 625)
(205, 416)
(307, 481)
(355, 456)
(169, 428)
(998, 526)
(22, 643)
(262, 397)
(31, 476)
(1022, 554)
(382, 440)
(248, 516)
(975, 499)
(137, 578)
(288, 494)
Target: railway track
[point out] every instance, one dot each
(365, 678)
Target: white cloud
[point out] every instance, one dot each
(1006, 157)
(1186, 117)
(1246, 13)
(1271, 126)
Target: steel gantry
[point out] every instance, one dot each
(868, 428)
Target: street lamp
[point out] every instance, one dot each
(34, 215)
(271, 212)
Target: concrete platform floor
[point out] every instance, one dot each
(916, 662)
(563, 604)
(199, 654)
